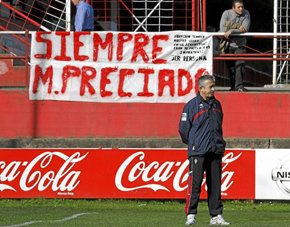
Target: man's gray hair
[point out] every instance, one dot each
(202, 79)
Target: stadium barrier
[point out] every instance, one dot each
(137, 173)
(50, 119)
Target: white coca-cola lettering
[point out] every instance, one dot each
(34, 175)
(227, 175)
(69, 181)
(145, 176)
(159, 173)
(133, 177)
(181, 176)
(9, 172)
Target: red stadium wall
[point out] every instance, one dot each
(246, 115)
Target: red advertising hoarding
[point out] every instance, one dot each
(115, 173)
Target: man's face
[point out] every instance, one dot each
(238, 8)
(75, 2)
(207, 91)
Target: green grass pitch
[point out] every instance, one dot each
(85, 213)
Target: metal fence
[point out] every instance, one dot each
(113, 15)
(127, 15)
(10, 59)
(281, 25)
(110, 15)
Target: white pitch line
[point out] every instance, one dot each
(23, 224)
(71, 217)
(40, 221)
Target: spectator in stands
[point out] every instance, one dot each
(200, 127)
(84, 18)
(235, 21)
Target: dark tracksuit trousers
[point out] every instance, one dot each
(212, 165)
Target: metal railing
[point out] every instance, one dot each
(273, 55)
(281, 25)
(24, 56)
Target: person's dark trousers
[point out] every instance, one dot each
(236, 68)
(212, 165)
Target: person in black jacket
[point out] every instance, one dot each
(200, 127)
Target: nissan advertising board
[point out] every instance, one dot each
(273, 174)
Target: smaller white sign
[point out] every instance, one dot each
(273, 174)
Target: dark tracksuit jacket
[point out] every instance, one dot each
(200, 127)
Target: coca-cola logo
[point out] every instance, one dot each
(163, 176)
(39, 174)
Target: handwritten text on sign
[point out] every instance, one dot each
(118, 67)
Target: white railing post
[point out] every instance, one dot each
(275, 21)
(68, 15)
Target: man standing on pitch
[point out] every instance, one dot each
(200, 127)
(84, 18)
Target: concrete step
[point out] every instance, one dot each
(175, 142)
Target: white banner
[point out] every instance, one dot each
(118, 67)
(273, 174)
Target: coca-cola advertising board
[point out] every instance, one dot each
(115, 173)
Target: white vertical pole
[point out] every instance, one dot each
(68, 15)
(287, 40)
(146, 11)
(159, 18)
(275, 21)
